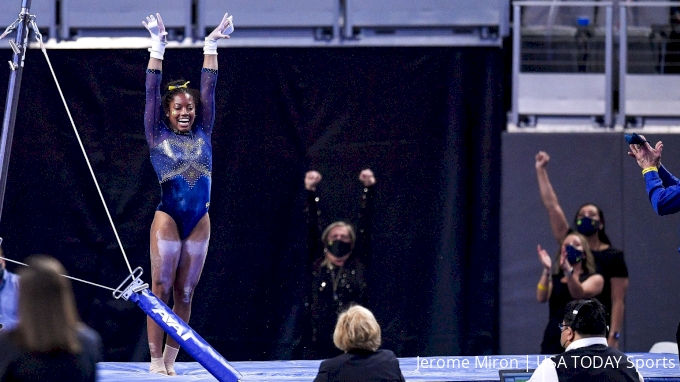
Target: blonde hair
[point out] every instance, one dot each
(327, 231)
(357, 329)
(48, 319)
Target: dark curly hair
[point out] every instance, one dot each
(170, 94)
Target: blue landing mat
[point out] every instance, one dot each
(654, 367)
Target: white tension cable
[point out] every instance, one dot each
(68, 277)
(38, 37)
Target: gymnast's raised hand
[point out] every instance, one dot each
(159, 37)
(223, 30)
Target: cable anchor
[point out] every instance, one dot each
(136, 286)
(11, 27)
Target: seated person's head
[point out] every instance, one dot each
(338, 240)
(47, 310)
(357, 329)
(583, 319)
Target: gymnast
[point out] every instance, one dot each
(181, 154)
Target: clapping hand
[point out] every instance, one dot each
(646, 155)
(544, 257)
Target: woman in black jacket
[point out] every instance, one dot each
(339, 261)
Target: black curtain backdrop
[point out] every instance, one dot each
(426, 120)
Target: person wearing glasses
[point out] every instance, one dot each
(572, 276)
(583, 334)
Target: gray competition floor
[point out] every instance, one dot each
(654, 367)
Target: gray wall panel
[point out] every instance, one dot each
(425, 12)
(265, 13)
(652, 243)
(122, 14)
(587, 167)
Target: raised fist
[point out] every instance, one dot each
(542, 159)
(312, 179)
(367, 178)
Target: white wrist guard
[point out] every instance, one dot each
(210, 46)
(157, 49)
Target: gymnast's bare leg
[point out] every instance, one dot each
(176, 267)
(191, 261)
(165, 255)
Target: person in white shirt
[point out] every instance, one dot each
(587, 356)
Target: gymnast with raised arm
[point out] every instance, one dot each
(181, 154)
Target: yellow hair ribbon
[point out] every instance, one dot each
(173, 87)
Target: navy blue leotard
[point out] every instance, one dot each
(183, 162)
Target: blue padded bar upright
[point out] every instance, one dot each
(191, 341)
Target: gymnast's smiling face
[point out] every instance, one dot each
(182, 112)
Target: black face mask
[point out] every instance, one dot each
(587, 226)
(339, 248)
(573, 255)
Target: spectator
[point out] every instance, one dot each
(609, 262)
(49, 342)
(339, 257)
(571, 277)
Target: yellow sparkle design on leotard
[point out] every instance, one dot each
(191, 166)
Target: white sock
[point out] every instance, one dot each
(157, 366)
(169, 355)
